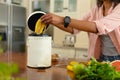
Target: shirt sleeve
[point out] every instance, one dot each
(108, 23)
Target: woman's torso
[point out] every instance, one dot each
(107, 45)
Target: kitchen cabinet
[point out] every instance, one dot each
(65, 7)
(17, 2)
(39, 5)
(3, 14)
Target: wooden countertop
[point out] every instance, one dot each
(57, 71)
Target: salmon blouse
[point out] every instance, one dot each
(109, 24)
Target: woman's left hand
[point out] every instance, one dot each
(52, 19)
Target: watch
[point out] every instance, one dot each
(67, 21)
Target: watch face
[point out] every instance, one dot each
(66, 21)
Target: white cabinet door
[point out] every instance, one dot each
(64, 7)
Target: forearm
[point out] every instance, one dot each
(80, 25)
(77, 24)
(69, 29)
(84, 25)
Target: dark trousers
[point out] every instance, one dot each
(109, 58)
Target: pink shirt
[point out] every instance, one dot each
(109, 24)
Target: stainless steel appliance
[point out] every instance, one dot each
(18, 28)
(12, 24)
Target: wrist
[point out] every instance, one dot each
(62, 20)
(59, 20)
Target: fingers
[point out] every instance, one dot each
(47, 18)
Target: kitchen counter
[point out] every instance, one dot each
(57, 71)
(62, 46)
(70, 51)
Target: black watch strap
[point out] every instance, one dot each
(67, 21)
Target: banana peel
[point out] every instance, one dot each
(39, 27)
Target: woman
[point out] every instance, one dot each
(102, 25)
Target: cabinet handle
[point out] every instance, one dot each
(18, 29)
(85, 55)
(65, 8)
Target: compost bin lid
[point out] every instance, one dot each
(33, 18)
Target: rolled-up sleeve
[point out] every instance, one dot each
(108, 23)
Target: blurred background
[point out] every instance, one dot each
(14, 30)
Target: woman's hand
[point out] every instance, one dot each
(52, 19)
(55, 20)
